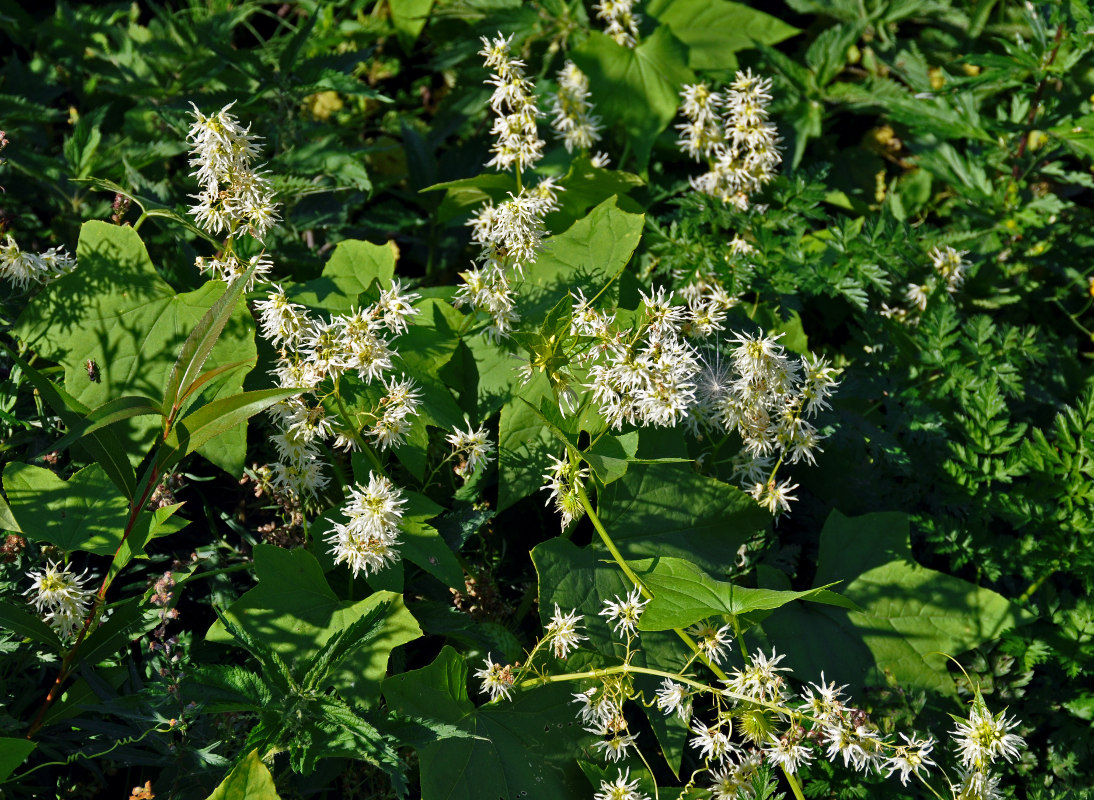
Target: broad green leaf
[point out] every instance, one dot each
(637, 88)
(13, 752)
(248, 780)
(126, 622)
(671, 510)
(584, 257)
(116, 311)
(7, 519)
(294, 611)
(422, 545)
(525, 445)
(520, 748)
(409, 17)
(85, 512)
(468, 194)
(585, 187)
(910, 615)
(714, 30)
(683, 594)
(351, 269)
(22, 622)
(609, 455)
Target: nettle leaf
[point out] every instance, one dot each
(683, 594)
(670, 510)
(637, 88)
(294, 611)
(350, 270)
(714, 30)
(248, 780)
(516, 749)
(115, 311)
(910, 615)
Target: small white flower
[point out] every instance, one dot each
(562, 631)
(395, 306)
(823, 701)
(984, 737)
(615, 746)
(673, 698)
(497, 680)
(475, 445)
(977, 785)
(24, 268)
(624, 614)
(60, 594)
(912, 757)
(760, 678)
(788, 752)
(713, 744)
(620, 789)
(597, 707)
(712, 642)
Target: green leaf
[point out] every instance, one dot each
(22, 622)
(351, 269)
(584, 257)
(409, 17)
(127, 622)
(671, 510)
(7, 520)
(683, 594)
(248, 780)
(13, 752)
(636, 88)
(525, 445)
(150, 207)
(423, 545)
(102, 445)
(714, 30)
(116, 311)
(522, 748)
(294, 611)
(609, 455)
(199, 345)
(910, 615)
(107, 414)
(83, 513)
(217, 418)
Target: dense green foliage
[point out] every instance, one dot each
(939, 553)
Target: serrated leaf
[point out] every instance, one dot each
(714, 30)
(670, 510)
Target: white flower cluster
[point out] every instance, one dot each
(622, 788)
(367, 543)
(61, 596)
(518, 143)
(511, 233)
(228, 266)
(23, 268)
(234, 198)
(311, 350)
(732, 132)
(949, 270)
(645, 375)
(574, 121)
(621, 23)
(766, 396)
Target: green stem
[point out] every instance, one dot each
(623, 565)
(356, 434)
(1033, 587)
